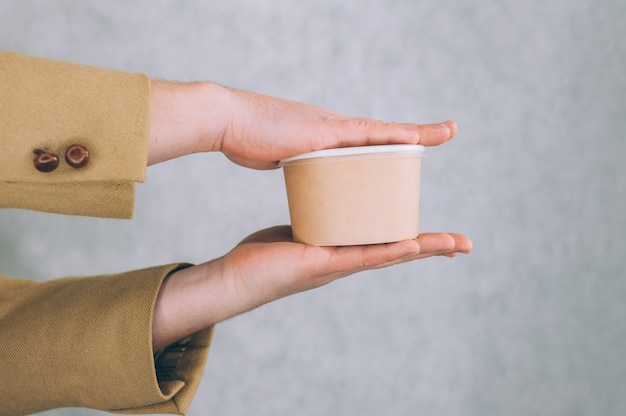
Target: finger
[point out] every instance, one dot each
(436, 134)
(433, 242)
(364, 132)
(462, 243)
(351, 259)
(442, 244)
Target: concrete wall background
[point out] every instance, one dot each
(532, 322)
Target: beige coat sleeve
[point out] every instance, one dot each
(86, 342)
(83, 342)
(47, 105)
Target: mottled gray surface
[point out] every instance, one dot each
(532, 323)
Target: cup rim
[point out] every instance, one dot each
(405, 149)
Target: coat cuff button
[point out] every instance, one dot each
(45, 161)
(77, 156)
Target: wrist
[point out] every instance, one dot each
(180, 309)
(213, 104)
(185, 118)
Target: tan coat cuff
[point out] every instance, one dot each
(87, 342)
(49, 105)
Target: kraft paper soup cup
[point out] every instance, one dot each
(355, 195)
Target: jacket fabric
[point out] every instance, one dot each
(83, 341)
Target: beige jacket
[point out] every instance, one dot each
(82, 341)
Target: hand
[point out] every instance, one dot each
(256, 131)
(267, 266)
(262, 130)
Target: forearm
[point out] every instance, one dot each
(187, 304)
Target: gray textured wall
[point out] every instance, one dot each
(532, 323)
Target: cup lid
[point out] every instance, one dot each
(406, 149)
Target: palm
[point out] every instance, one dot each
(268, 265)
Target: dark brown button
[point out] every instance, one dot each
(45, 161)
(77, 156)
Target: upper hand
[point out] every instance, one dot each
(262, 130)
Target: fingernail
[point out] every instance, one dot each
(452, 126)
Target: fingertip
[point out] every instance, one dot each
(453, 127)
(445, 243)
(468, 246)
(462, 243)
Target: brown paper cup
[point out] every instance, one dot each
(354, 196)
